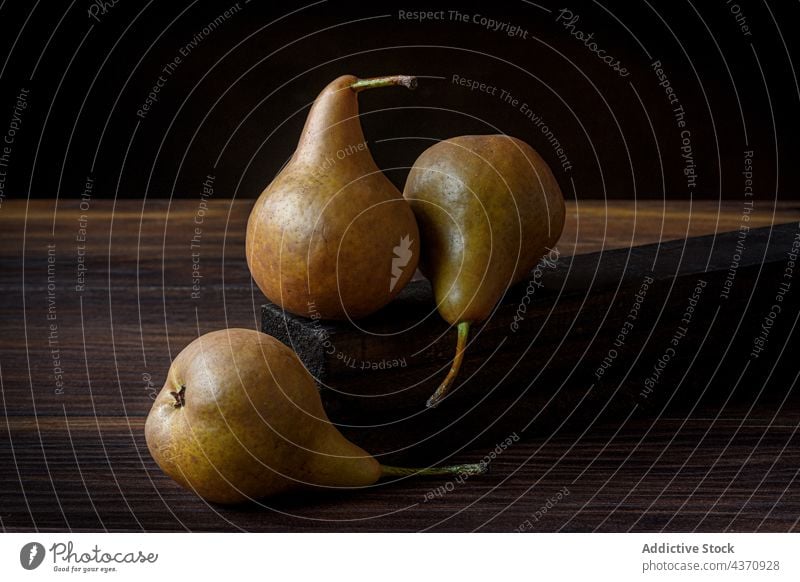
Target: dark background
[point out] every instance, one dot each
(234, 107)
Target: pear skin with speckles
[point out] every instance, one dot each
(240, 418)
(488, 207)
(331, 236)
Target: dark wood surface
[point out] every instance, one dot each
(76, 460)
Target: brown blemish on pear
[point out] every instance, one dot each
(321, 237)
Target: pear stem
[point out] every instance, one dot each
(450, 470)
(404, 80)
(444, 387)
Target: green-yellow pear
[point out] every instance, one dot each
(331, 236)
(487, 207)
(240, 418)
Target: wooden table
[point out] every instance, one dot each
(95, 301)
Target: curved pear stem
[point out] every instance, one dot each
(450, 470)
(444, 387)
(404, 80)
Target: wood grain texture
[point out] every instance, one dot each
(76, 460)
(89, 473)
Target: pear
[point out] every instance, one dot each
(240, 418)
(487, 207)
(331, 236)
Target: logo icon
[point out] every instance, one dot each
(31, 555)
(402, 255)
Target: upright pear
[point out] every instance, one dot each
(331, 236)
(240, 418)
(487, 207)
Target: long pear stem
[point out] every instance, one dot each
(467, 469)
(404, 80)
(444, 387)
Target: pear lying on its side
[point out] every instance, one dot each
(240, 418)
(331, 236)
(487, 207)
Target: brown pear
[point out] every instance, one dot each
(331, 236)
(240, 418)
(487, 207)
